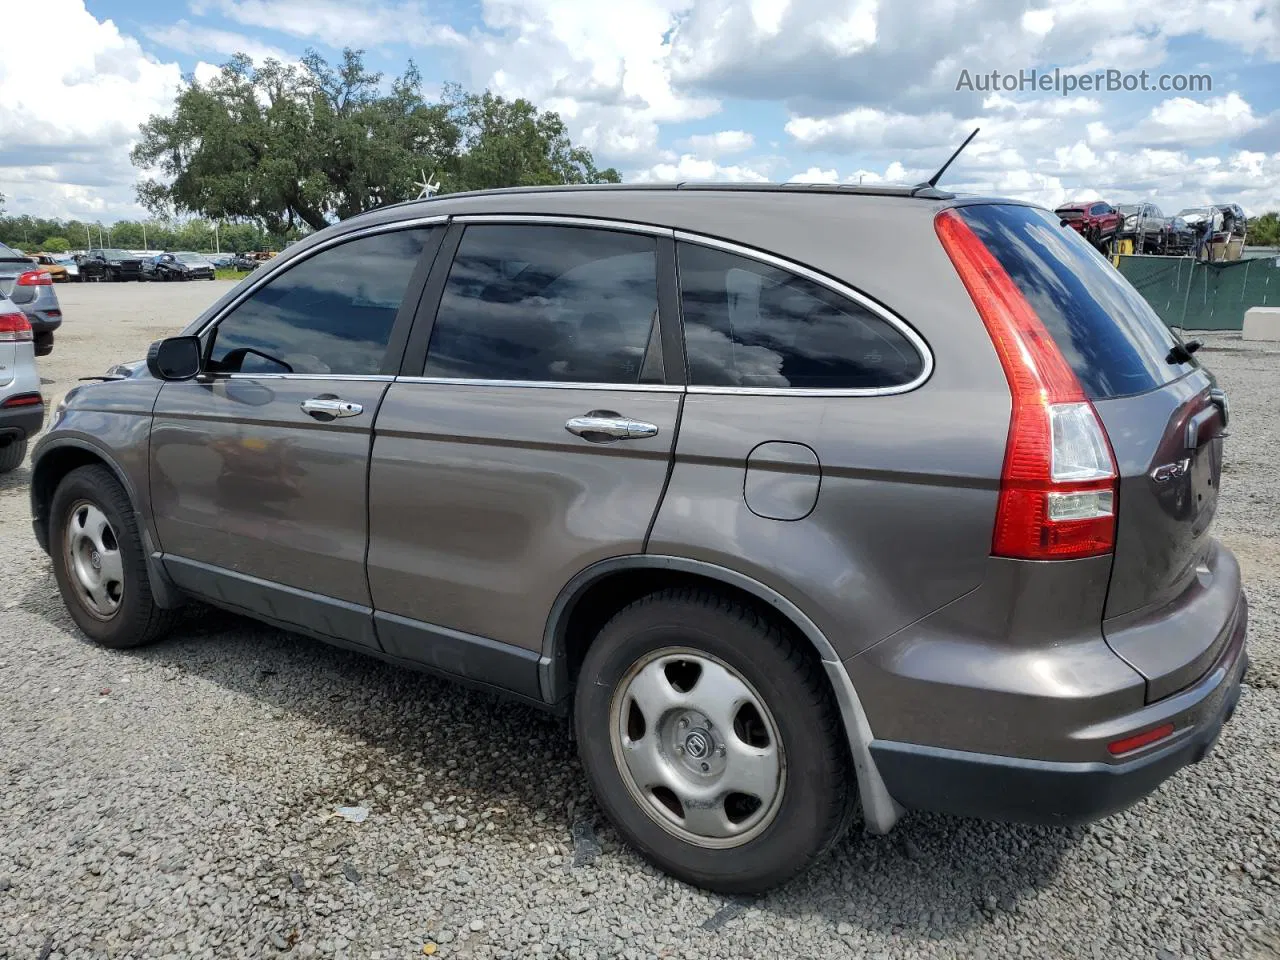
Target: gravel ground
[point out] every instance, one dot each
(175, 801)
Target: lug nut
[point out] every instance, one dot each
(679, 750)
(706, 767)
(684, 722)
(722, 750)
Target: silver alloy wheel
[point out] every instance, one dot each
(697, 748)
(93, 560)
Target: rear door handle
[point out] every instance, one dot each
(330, 408)
(605, 428)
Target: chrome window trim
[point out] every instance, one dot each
(835, 286)
(362, 378)
(554, 220)
(543, 384)
(258, 280)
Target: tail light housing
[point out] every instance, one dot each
(15, 327)
(1059, 482)
(35, 278)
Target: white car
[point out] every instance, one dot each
(21, 405)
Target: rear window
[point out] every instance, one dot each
(8, 253)
(1107, 332)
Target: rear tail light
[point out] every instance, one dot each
(35, 278)
(14, 327)
(1059, 481)
(24, 400)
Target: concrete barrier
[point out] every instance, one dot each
(1261, 323)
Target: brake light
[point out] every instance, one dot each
(35, 278)
(1059, 482)
(14, 327)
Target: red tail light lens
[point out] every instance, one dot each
(14, 327)
(1140, 740)
(35, 278)
(1059, 482)
(24, 400)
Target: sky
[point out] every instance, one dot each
(809, 90)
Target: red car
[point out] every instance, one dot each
(1096, 221)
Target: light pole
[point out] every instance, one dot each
(144, 236)
(88, 238)
(216, 247)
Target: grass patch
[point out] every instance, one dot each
(227, 273)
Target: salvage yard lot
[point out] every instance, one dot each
(172, 801)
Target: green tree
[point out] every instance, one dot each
(55, 244)
(289, 146)
(1264, 231)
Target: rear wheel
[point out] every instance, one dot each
(99, 563)
(12, 454)
(712, 741)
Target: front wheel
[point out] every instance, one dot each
(712, 741)
(99, 563)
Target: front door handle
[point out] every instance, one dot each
(601, 426)
(328, 408)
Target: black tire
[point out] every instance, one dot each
(819, 792)
(12, 454)
(137, 620)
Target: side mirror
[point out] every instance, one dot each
(174, 358)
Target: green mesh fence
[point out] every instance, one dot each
(1204, 296)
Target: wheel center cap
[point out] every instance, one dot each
(95, 558)
(697, 744)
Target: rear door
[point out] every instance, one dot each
(529, 437)
(1173, 594)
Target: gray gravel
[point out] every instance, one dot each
(177, 801)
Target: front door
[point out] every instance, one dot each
(533, 441)
(259, 466)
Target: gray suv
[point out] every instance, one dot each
(801, 501)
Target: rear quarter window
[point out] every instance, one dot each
(1108, 333)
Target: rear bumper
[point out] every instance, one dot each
(1040, 791)
(19, 423)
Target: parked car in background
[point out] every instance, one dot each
(68, 263)
(21, 405)
(1234, 221)
(48, 263)
(591, 446)
(220, 260)
(177, 266)
(1096, 221)
(110, 264)
(1179, 237)
(243, 262)
(1144, 224)
(31, 290)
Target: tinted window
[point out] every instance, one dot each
(8, 253)
(549, 303)
(330, 314)
(1108, 333)
(1099, 209)
(752, 325)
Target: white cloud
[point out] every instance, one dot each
(187, 38)
(337, 22)
(1183, 121)
(721, 144)
(690, 167)
(814, 175)
(71, 107)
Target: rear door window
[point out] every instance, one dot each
(1114, 341)
(750, 324)
(549, 304)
